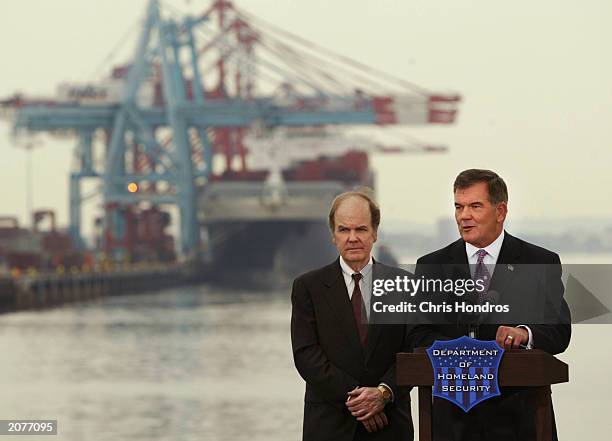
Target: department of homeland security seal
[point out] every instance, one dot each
(465, 370)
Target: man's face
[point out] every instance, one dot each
(479, 222)
(353, 233)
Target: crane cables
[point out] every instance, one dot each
(338, 59)
(286, 57)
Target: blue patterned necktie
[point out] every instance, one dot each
(482, 273)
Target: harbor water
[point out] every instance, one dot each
(185, 364)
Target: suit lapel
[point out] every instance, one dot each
(338, 299)
(374, 331)
(458, 267)
(509, 255)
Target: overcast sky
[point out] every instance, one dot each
(536, 79)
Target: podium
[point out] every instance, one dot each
(518, 367)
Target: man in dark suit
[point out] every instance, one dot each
(481, 199)
(348, 364)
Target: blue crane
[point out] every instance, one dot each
(163, 126)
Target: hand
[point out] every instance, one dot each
(376, 423)
(511, 338)
(365, 402)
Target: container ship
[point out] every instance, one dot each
(274, 220)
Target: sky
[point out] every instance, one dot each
(535, 78)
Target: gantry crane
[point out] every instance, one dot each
(195, 89)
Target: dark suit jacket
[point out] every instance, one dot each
(510, 416)
(329, 357)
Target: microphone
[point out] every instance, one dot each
(492, 297)
(475, 319)
(470, 317)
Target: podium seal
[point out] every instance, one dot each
(465, 370)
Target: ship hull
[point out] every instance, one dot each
(251, 234)
(268, 250)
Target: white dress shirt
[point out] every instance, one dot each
(364, 284)
(490, 260)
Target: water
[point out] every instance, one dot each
(189, 364)
(204, 364)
